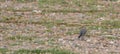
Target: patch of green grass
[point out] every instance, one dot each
(45, 21)
(111, 23)
(97, 27)
(59, 21)
(51, 2)
(39, 42)
(106, 24)
(48, 24)
(3, 50)
(22, 51)
(113, 52)
(77, 2)
(19, 37)
(38, 51)
(93, 27)
(72, 31)
(69, 33)
(2, 0)
(100, 14)
(87, 21)
(68, 6)
(93, 7)
(20, 0)
(15, 44)
(49, 31)
(90, 5)
(25, 0)
(112, 37)
(14, 19)
(4, 19)
(51, 41)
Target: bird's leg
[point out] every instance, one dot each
(82, 38)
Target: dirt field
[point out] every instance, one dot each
(52, 26)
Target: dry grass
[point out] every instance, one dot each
(54, 24)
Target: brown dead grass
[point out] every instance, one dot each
(26, 25)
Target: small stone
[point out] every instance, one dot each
(37, 11)
(60, 39)
(111, 42)
(3, 47)
(88, 40)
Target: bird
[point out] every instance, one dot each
(82, 32)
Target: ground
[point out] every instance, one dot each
(52, 26)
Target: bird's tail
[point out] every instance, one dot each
(79, 36)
